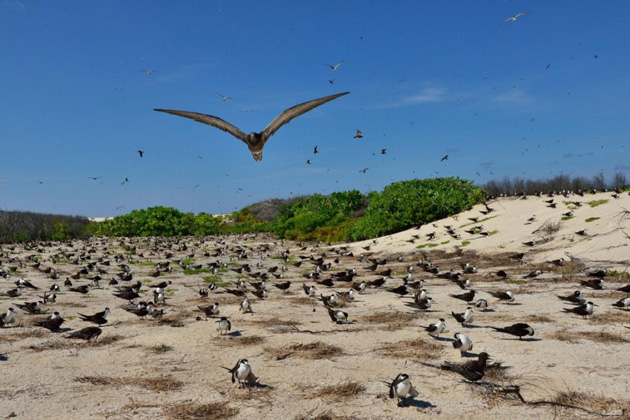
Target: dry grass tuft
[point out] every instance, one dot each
(416, 348)
(302, 301)
(63, 343)
(270, 322)
(610, 317)
(539, 318)
(341, 391)
(597, 336)
(590, 402)
(161, 384)
(174, 319)
(242, 341)
(196, 411)
(327, 415)
(314, 351)
(389, 317)
(8, 337)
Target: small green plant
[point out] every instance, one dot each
(567, 217)
(595, 203)
(591, 219)
(515, 281)
(191, 271)
(427, 246)
(465, 243)
(494, 232)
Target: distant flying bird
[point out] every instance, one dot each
(331, 81)
(315, 151)
(308, 162)
(514, 18)
(334, 67)
(359, 134)
(149, 72)
(94, 178)
(383, 151)
(547, 66)
(125, 181)
(141, 153)
(224, 98)
(256, 141)
(364, 170)
(445, 157)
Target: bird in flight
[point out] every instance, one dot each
(514, 18)
(125, 181)
(444, 158)
(364, 170)
(315, 151)
(94, 178)
(359, 134)
(331, 81)
(256, 141)
(334, 67)
(308, 162)
(148, 71)
(224, 98)
(383, 151)
(141, 153)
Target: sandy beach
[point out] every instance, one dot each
(310, 367)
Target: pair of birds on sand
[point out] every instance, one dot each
(256, 141)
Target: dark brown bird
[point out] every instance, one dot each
(283, 286)
(466, 297)
(256, 141)
(473, 370)
(88, 333)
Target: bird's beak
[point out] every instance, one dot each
(257, 156)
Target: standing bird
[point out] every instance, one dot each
(31, 307)
(576, 298)
(256, 141)
(507, 296)
(583, 310)
(98, 318)
(437, 328)
(242, 372)
(463, 318)
(466, 297)
(337, 316)
(462, 343)
(400, 388)
(211, 310)
(520, 330)
(224, 325)
(7, 318)
(51, 323)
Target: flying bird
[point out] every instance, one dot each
(315, 151)
(125, 181)
(256, 141)
(515, 17)
(141, 153)
(149, 72)
(334, 67)
(359, 134)
(445, 157)
(94, 178)
(224, 98)
(364, 170)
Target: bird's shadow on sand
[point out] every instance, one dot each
(238, 333)
(62, 330)
(472, 326)
(524, 339)
(418, 403)
(446, 339)
(470, 355)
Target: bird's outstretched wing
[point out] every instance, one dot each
(293, 112)
(210, 120)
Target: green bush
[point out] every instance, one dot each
(405, 204)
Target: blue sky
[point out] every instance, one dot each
(544, 95)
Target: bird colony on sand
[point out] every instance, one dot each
(91, 289)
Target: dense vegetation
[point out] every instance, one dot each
(341, 216)
(558, 183)
(22, 226)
